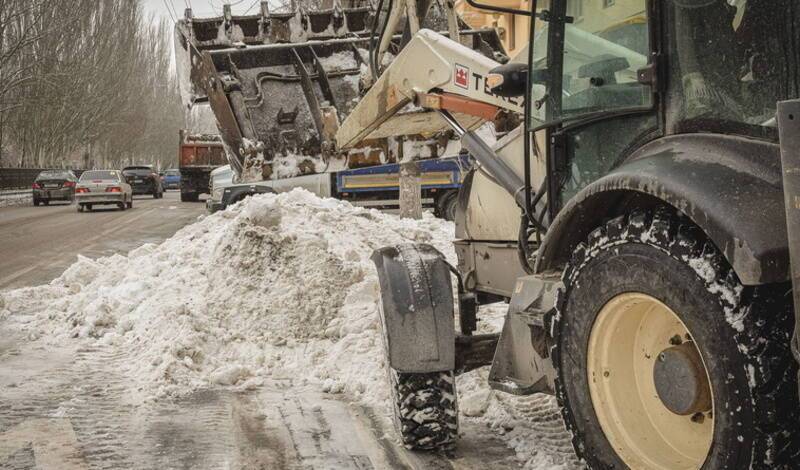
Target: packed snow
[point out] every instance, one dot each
(15, 198)
(275, 287)
(338, 61)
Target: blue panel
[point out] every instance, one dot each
(437, 165)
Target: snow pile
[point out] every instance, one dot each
(276, 287)
(338, 61)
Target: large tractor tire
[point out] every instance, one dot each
(425, 409)
(665, 360)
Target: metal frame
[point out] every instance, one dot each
(789, 127)
(511, 11)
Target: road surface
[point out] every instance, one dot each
(67, 408)
(38, 243)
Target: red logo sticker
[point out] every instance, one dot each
(461, 78)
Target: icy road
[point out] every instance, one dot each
(248, 340)
(38, 243)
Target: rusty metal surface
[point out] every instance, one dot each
(200, 150)
(265, 27)
(458, 104)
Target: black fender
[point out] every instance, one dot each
(417, 312)
(233, 194)
(728, 186)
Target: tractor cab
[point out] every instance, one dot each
(637, 228)
(607, 77)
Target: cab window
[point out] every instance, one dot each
(594, 68)
(733, 61)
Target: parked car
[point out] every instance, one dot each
(220, 178)
(171, 179)
(103, 187)
(54, 185)
(144, 180)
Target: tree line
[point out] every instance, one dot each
(86, 84)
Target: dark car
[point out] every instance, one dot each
(54, 185)
(144, 180)
(171, 179)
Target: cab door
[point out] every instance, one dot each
(594, 88)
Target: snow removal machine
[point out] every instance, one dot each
(279, 83)
(639, 224)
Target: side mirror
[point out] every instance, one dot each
(508, 80)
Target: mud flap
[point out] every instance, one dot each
(416, 308)
(789, 126)
(522, 363)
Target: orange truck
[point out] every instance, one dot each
(198, 155)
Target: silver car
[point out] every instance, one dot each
(105, 187)
(221, 178)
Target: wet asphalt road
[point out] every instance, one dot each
(68, 407)
(38, 243)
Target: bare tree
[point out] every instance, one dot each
(85, 83)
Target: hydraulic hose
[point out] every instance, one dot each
(373, 59)
(503, 174)
(506, 178)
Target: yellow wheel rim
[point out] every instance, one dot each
(629, 333)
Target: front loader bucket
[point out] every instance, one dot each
(279, 84)
(279, 101)
(789, 128)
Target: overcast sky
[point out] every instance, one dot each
(200, 7)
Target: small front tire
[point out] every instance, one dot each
(425, 409)
(188, 197)
(446, 206)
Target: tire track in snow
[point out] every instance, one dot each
(539, 429)
(280, 426)
(85, 392)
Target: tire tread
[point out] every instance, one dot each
(426, 409)
(764, 314)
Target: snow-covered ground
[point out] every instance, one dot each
(276, 287)
(15, 198)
